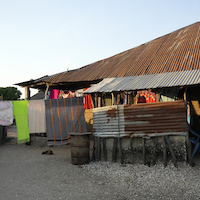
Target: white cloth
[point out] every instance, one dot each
(6, 113)
(36, 116)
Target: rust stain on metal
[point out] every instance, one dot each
(112, 113)
(108, 121)
(161, 118)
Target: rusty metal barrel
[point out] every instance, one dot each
(80, 148)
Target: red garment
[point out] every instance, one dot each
(54, 94)
(88, 102)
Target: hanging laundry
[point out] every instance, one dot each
(61, 93)
(36, 116)
(64, 116)
(6, 113)
(54, 94)
(79, 92)
(21, 116)
(88, 104)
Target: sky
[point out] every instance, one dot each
(45, 37)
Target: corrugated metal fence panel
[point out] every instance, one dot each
(140, 120)
(162, 117)
(108, 121)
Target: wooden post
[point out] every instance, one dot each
(121, 155)
(104, 148)
(131, 145)
(114, 153)
(95, 100)
(27, 93)
(130, 97)
(113, 99)
(135, 97)
(144, 150)
(103, 99)
(189, 149)
(158, 97)
(94, 150)
(99, 148)
(164, 152)
(171, 149)
(118, 99)
(99, 101)
(154, 149)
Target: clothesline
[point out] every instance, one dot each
(56, 117)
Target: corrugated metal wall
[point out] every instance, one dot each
(140, 120)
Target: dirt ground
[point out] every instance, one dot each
(27, 174)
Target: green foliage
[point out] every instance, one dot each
(10, 93)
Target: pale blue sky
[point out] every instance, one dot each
(44, 37)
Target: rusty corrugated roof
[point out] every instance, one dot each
(176, 51)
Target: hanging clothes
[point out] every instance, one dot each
(6, 113)
(64, 116)
(54, 94)
(21, 116)
(88, 104)
(36, 116)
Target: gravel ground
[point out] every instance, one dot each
(26, 174)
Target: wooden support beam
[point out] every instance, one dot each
(104, 148)
(99, 148)
(103, 99)
(129, 98)
(113, 99)
(94, 150)
(27, 93)
(189, 149)
(135, 97)
(118, 99)
(95, 100)
(171, 149)
(158, 97)
(114, 153)
(154, 150)
(121, 155)
(164, 152)
(144, 150)
(131, 145)
(99, 101)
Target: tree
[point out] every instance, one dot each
(10, 93)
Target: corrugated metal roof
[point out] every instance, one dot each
(169, 79)
(176, 51)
